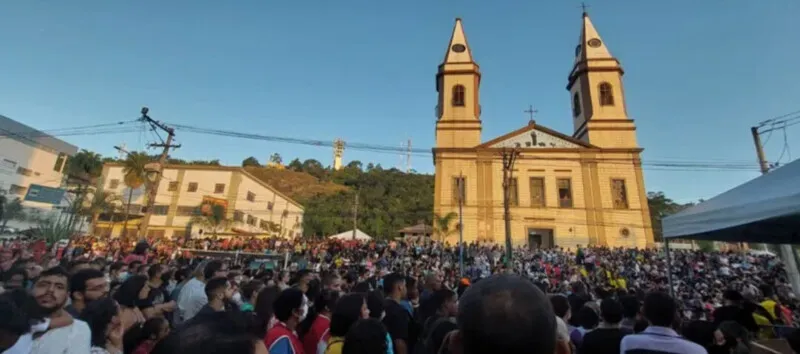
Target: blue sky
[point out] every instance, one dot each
(698, 73)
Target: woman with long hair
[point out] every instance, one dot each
(103, 319)
(348, 310)
(319, 319)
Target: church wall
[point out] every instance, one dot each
(615, 220)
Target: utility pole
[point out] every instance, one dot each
(461, 226)
(786, 252)
(509, 157)
(355, 216)
(408, 157)
(155, 169)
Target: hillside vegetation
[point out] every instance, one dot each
(388, 199)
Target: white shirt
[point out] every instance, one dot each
(73, 339)
(191, 299)
(25, 342)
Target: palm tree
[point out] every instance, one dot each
(10, 211)
(442, 224)
(135, 176)
(82, 169)
(101, 201)
(213, 217)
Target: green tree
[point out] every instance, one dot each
(100, 201)
(10, 210)
(213, 218)
(85, 165)
(251, 162)
(276, 159)
(661, 207)
(355, 164)
(134, 177)
(53, 230)
(295, 165)
(314, 168)
(441, 225)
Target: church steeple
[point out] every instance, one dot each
(458, 50)
(595, 86)
(458, 83)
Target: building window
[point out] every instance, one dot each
(160, 209)
(285, 213)
(59, 162)
(192, 187)
(270, 205)
(135, 209)
(619, 194)
(459, 190)
(513, 192)
(238, 216)
(576, 105)
(251, 220)
(458, 95)
(113, 184)
(606, 94)
(251, 197)
(219, 188)
(564, 192)
(18, 190)
(24, 171)
(263, 225)
(173, 186)
(6, 163)
(537, 192)
(155, 234)
(187, 211)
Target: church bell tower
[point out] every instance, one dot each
(458, 82)
(597, 95)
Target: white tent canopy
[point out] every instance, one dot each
(764, 210)
(348, 235)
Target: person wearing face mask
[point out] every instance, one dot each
(291, 307)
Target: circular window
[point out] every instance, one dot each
(594, 43)
(459, 48)
(624, 232)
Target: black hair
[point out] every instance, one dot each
(346, 313)
(499, 313)
(611, 311)
(154, 270)
(630, 306)
(560, 305)
(325, 301)
(141, 248)
(98, 315)
(660, 309)
(390, 281)
(128, 293)
(15, 271)
(211, 268)
(287, 302)
(588, 318)
(249, 288)
(55, 272)
(214, 285)
(15, 318)
(77, 283)
(220, 332)
(429, 307)
(375, 304)
(148, 331)
(366, 337)
(116, 266)
(263, 306)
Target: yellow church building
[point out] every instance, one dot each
(585, 188)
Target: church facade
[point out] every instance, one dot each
(584, 188)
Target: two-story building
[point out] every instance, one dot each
(31, 160)
(251, 206)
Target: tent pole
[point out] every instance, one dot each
(669, 268)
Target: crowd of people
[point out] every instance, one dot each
(351, 297)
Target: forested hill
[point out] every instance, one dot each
(388, 199)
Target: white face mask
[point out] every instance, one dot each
(237, 297)
(122, 276)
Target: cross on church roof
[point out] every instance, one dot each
(531, 112)
(584, 7)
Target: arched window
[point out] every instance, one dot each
(458, 95)
(606, 94)
(576, 105)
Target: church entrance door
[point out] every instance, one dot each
(540, 238)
